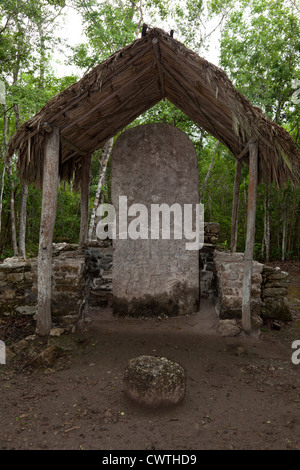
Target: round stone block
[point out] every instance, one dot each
(154, 381)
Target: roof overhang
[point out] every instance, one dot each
(130, 82)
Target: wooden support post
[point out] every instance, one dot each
(252, 194)
(235, 206)
(48, 216)
(84, 195)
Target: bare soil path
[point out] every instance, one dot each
(242, 392)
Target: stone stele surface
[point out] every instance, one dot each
(154, 164)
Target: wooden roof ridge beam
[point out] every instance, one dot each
(157, 55)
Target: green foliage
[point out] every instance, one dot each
(67, 225)
(260, 49)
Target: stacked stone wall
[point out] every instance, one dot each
(228, 289)
(16, 294)
(275, 304)
(99, 272)
(18, 287)
(83, 278)
(206, 254)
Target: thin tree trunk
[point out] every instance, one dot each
(22, 225)
(12, 213)
(235, 206)
(252, 196)
(268, 233)
(23, 203)
(283, 236)
(266, 236)
(12, 190)
(209, 170)
(84, 196)
(102, 174)
(4, 158)
(245, 210)
(1, 192)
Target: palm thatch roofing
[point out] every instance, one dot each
(130, 82)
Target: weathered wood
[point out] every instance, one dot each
(159, 66)
(101, 103)
(48, 216)
(243, 152)
(188, 96)
(235, 206)
(144, 29)
(84, 198)
(72, 146)
(252, 195)
(201, 90)
(46, 127)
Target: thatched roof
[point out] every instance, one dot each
(131, 81)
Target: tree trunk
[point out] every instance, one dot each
(283, 236)
(22, 224)
(209, 170)
(23, 204)
(13, 216)
(267, 223)
(102, 174)
(252, 195)
(235, 206)
(12, 189)
(84, 197)
(49, 206)
(4, 157)
(1, 193)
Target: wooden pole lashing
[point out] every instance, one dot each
(252, 196)
(48, 216)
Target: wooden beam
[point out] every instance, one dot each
(43, 126)
(144, 29)
(84, 197)
(252, 195)
(159, 66)
(72, 146)
(71, 155)
(48, 216)
(235, 206)
(243, 152)
(46, 127)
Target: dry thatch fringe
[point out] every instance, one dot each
(131, 81)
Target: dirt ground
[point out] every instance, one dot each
(242, 392)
